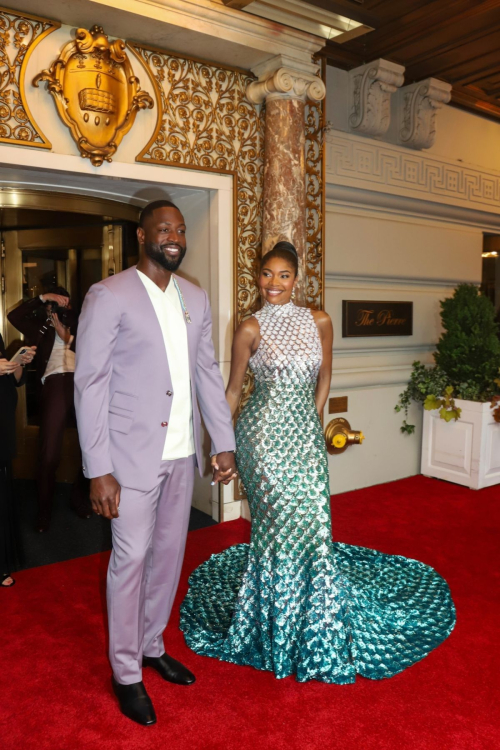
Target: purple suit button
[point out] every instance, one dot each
(164, 424)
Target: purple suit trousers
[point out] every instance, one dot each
(149, 538)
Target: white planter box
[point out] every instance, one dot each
(467, 451)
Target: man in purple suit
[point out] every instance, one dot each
(145, 367)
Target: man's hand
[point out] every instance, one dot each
(59, 299)
(105, 496)
(7, 368)
(224, 467)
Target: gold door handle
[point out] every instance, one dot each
(339, 436)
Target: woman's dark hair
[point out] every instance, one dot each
(284, 250)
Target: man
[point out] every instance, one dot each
(48, 322)
(145, 360)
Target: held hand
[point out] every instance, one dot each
(224, 467)
(7, 368)
(57, 298)
(105, 496)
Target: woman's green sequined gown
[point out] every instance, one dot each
(292, 601)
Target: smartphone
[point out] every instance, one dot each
(17, 356)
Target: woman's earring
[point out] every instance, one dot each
(293, 293)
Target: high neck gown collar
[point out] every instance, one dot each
(278, 310)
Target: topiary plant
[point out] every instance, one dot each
(469, 349)
(467, 358)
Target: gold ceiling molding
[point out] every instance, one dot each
(20, 33)
(205, 121)
(96, 92)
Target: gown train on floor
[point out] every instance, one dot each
(293, 601)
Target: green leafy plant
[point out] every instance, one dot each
(446, 405)
(424, 382)
(467, 359)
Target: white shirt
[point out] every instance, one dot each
(179, 441)
(61, 359)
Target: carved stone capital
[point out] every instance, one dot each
(417, 106)
(370, 89)
(287, 83)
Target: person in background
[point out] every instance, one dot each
(49, 322)
(11, 377)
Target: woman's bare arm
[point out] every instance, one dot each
(245, 343)
(325, 329)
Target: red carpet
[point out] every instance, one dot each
(55, 676)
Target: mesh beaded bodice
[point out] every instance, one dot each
(289, 352)
(292, 601)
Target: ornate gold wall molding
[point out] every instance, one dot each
(206, 122)
(19, 35)
(315, 202)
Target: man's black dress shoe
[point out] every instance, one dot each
(134, 702)
(170, 669)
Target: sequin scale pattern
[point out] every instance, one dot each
(292, 601)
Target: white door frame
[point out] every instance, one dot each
(34, 169)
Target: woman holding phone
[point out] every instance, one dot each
(11, 377)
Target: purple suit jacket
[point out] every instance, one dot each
(122, 381)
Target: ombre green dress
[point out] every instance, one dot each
(292, 601)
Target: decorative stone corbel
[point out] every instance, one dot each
(370, 89)
(279, 80)
(417, 106)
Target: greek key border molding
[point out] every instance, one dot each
(355, 161)
(19, 35)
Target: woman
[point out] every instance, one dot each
(49, 322)
(11, 376)
(292, 601)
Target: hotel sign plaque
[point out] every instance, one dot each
(374, 318)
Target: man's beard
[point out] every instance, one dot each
(156, 253)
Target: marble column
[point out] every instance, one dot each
(285, 91)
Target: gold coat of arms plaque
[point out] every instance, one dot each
(96, 92)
